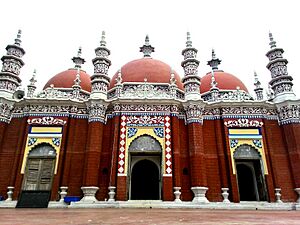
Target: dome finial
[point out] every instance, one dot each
(78, 60)
(18, 39)
(214, 62)
(272, 42)
(103, 42)
(188, 40)
(147, 49)
(77, 80)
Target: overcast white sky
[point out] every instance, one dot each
(238, 30)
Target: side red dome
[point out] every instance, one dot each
(226, 81)
(153, 70)
(66, 79)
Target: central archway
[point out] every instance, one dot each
(145, 181)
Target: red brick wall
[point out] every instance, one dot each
(186, 193)
(279, 160)
(167, 193)
(292, 138)
(211, 161)
(11, 153)
(175, 133)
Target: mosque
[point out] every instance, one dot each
(147, 133)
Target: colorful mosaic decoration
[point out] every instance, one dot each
(168, 151)
(257, 143)
(31, 141)
(56, 141)
(159, 132)
(233, 143)
(131, 132)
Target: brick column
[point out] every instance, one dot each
(176, 151)
(93, 153)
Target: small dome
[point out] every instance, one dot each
(66, 79)
(153, 70)
(226, 81)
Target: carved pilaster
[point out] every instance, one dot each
(194, 112)
(289, 113)
(6, 108)
(97, 111)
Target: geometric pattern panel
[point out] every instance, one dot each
(121, 157)
(168, 150)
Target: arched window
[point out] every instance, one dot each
(145, 143)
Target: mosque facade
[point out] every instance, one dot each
(146, 133)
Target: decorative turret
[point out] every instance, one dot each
(281, 82)
(78, 62)
(214, 90)
(147, 49)
(214, 62)
(31, 86)
(191, 79)
(12, 63)
(258, 89)
(173, 85)
(100, 79)
(119, 84)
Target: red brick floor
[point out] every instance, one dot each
(145, 216)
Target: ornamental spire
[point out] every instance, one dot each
(191, 79)
(78, 61)
(214, 62)
(31, 86)
(11, 66)
(100, 79)
(281, 82)
(147, 49)
(258, 89)
(272, 42)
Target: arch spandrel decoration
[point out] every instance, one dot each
(246, 137)
(43, 135)
(245, 151)
(42, 150)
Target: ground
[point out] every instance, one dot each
(145, 216)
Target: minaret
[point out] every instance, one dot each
(78, 62)
(31, 86)
(191, 79)
(11, 65)
(147, 49)
(100, 79)
(213, 63)
(258, 89)
(173, 86)
(281, 81)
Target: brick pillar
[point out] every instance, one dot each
(196, 153)
(93, 153)
(167, 194)
(176, 151)
(292, 137)
(115, 148)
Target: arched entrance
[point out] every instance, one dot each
(38, 177)
(145, 169)
(250, 175)
(145, 181)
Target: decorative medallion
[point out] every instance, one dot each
(243, 123)
(31, 141)
(159, 131)
(131, 132)
(47, 120)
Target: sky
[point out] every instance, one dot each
(53, 30)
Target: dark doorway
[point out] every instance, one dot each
(246, 182)
(145, 181)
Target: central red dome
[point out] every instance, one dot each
(66, 79)
(226, 81)
(153, 70)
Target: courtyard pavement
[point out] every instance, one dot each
(145, 216)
